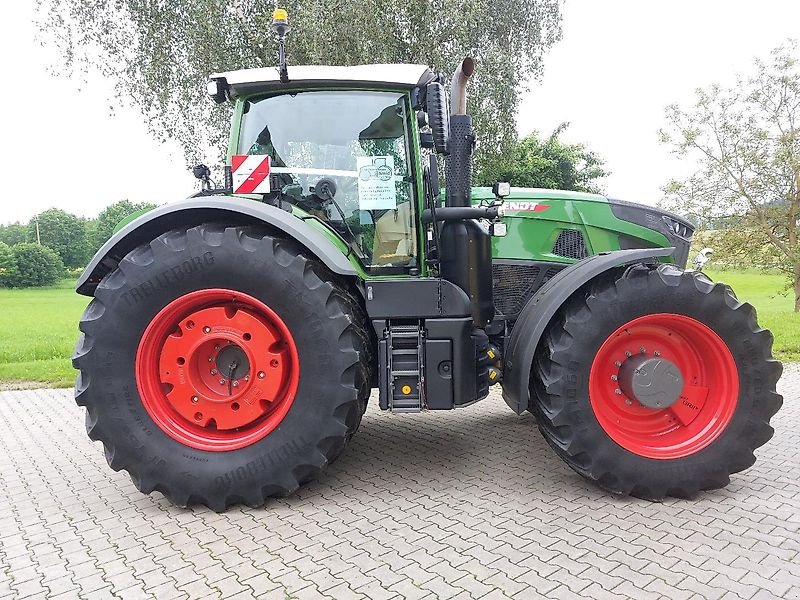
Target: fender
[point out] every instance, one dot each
(194, 211)
(540, 309)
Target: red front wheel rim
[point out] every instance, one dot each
(707, 401)
(217, 370)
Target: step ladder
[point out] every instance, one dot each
(405, 345)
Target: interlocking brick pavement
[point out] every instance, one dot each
(454, 505)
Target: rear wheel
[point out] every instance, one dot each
(656, 382)
(222, 365)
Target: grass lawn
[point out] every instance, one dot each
(38, 327)
(774, 304)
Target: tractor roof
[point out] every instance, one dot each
(268, 78)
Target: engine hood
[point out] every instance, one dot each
(606, 223)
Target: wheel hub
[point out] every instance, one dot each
(217, 369)
(653, 382)
(663, 385)
(231, 362)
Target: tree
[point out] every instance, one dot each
(160, 54)
(33, 266)
(546, 163)
(14, 233)
(102, 227)
(6, 264)
(62, 232)
(746, 139)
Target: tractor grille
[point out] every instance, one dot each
(570, 244)
(515, 282)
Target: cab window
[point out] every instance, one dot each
(342, 156)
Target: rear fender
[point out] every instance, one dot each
(195, 211)
(540, 309)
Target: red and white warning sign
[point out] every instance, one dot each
(250, 173)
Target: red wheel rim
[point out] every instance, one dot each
(217, 370)
(706, 404)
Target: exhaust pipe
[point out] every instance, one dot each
(466, 249)
(458, 86)
(459, 161)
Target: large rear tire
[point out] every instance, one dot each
(222, 365)
(656, 445)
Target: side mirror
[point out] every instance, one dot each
(203, 173)
(501, 189)
(438, 116)
(426, 140)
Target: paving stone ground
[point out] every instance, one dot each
(462, 504)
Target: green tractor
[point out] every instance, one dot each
(234, 338)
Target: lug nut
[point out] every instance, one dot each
(628, 353)
(618, 392)
(235, 384)
(641, 350)
(216, 346)
(222, 382)
(210, 359)
(206, 329)
(628, 402)
(261, 374)
(656, 353)
(614, 378)
(194, 399)
(617, 363)
(247, 377)
(213, 371)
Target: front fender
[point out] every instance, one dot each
(194, 211)
(540, 309)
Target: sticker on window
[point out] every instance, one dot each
(376, 189)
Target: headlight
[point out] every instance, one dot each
(679, 228)
(216, 90)
(501, 189)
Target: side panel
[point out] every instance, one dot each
(540, 309)
(535, 217)
(193, 211)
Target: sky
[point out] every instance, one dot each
(619, 63)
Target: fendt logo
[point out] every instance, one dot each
(525, 206)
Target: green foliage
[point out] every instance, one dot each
(14, 233)
(33, 265)
(6, 264)
(747, 143)
(545, 163)
(64, 233)
(161, 53)
(99, 230)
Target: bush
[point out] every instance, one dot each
(6, 263)
(33, 265)
(74, 273)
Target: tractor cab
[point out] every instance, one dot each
(340, 145)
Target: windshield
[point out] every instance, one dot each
(343, 157)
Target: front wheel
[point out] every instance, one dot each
(656, 383)
(222, 365)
